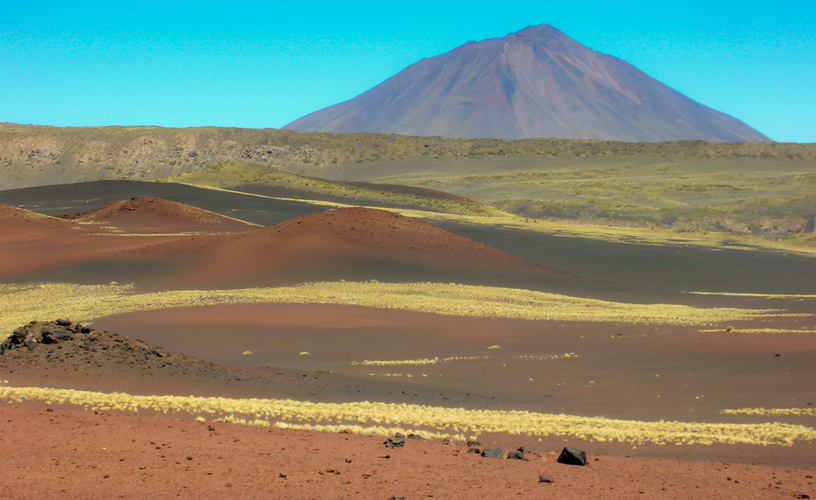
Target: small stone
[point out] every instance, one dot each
(473, 442)
(515, 455)
(398, 441)
(397, 496)
(283, 474)
(493, 452)
(801, 494)
(544, 478)
(474, 450)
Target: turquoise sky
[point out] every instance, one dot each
(264, 64)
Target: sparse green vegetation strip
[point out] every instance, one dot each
(234, 174)
(768, 197)
(384, 418)
(21, 304)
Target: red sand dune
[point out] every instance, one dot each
(155, 215)
(350, 243)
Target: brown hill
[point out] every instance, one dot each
(351, 244)
(20, 218)
(534, 83)
(156, 215)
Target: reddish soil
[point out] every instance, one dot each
(155, 215)
(21, 219)
(35, 247)
(620, 370)
(71, 454)
(350, 244)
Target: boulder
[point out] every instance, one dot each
(493, 452)
(572, 456)
(398, 441)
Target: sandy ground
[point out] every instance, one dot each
(70, 454)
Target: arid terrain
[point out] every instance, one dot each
(245, 330)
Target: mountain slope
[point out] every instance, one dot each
(534, 83)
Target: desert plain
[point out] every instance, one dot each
(264, 338)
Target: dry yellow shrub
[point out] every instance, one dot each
(389, 416)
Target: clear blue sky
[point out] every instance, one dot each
(264, 64)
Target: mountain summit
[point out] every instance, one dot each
(535, 83)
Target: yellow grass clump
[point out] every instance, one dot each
(19, 304)
(417, 362)
(760, 330)
(796, 412)
(449, 421)
(770, 296)
(545, 357)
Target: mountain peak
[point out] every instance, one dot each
(537, 82)
(541, 31)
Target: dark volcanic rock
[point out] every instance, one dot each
(515, 455)
(493, 453)
(38, 332)
(398, 441)
(572, 456)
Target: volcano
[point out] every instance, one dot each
(537, 82)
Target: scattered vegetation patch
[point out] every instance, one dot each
(449, 421)
(762, 331)
(416, 362)
(796, 412)
(232, 175)
(545, 357)
(19, 303)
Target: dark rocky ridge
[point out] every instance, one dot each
(534, 83)
(51, 348)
